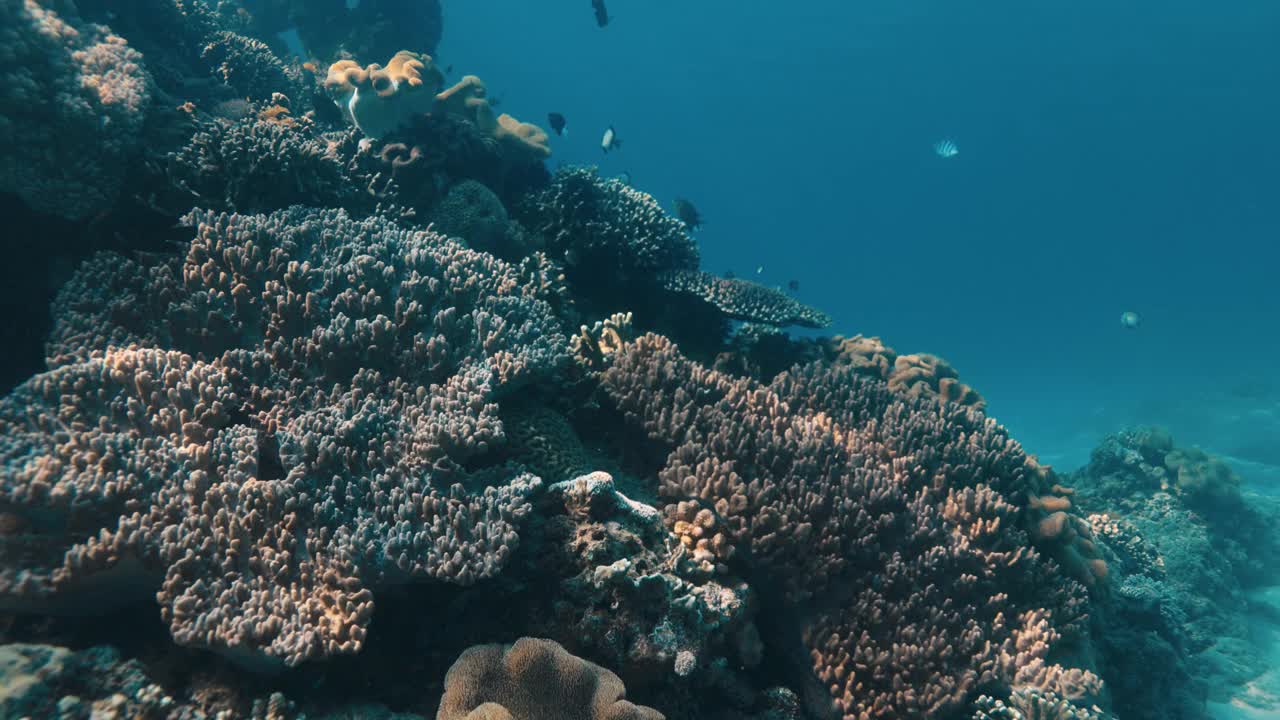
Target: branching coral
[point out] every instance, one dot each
(73, 100)
(304, 412)
(534, 680)
(897, 521)
(255, 164)
(607, 227)
(248, 66)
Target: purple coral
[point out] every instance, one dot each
(303, 411)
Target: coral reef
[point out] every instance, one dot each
(1186, 544)
(307, 445)
(73, 102)
(890, 524)
(302, 434)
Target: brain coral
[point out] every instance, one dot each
(258, 432)
(73, 99)
(891, 525)
(534, 679)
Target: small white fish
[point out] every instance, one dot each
(1130, 319)
(759, 269)
(946, 148)
(610, 141)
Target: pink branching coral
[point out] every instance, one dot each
(892, 525)
(73, 99)
(259, 432)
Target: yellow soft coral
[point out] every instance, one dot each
(469, 98)
(379, 100)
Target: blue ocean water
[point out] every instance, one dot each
(1113, 157)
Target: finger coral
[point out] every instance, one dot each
(534, 679)
(297, 410)
(73, 100)
(892, 525)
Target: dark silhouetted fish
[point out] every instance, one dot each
(688, 213)
(556, 121)
(610, 141)
(793, 285)
(602, 14)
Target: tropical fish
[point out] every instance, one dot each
(1130, 319)
(946, 148)
(556, 121)
(610, 141)
(602, 14)
(688, 213)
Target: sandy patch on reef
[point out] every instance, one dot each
(1260, 697)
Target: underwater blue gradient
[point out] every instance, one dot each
(1113, 156)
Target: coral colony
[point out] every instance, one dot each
(397, 423)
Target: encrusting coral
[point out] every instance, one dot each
(260, 430)
(73, 101)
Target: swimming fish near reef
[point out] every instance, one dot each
(556, 121)
(602, 14)
(688, 213)
(610, 141)
(760, 270)
(946, 148)
(1130, 319)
